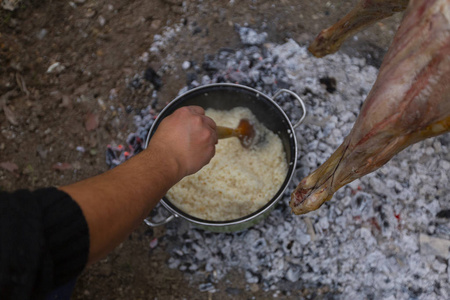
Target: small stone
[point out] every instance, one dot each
(193, 267)
(254, 288)
(323, 222)
(144, 57)
(206, 287)
(55, 68)
(101, 21)
(90, 13)
(310, 160)
(42, 33)
(66, 102)
(153, 243)
(293, 274)
(250, 277)
(304, 239)
(268, 80)
(80, 149)
(186, 65)
(183, 268)
(377, 185)
(155, 24)
(434, 246)
(206, 80)
(173, 263)
(42, 151)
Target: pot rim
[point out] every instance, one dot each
(176, 212)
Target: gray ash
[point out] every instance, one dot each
(252, 66)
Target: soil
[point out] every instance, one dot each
(87, 101)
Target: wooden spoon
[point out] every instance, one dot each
(244, 132)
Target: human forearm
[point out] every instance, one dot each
(116, 202)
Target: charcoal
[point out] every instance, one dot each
(151, 76)
(135, 83)
(444, 214)
(190, 77)
(329, 82)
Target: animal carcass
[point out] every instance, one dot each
(409, 102)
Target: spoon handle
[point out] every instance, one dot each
(225, 132)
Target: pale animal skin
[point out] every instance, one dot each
(409, 102)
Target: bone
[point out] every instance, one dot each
(364, 14)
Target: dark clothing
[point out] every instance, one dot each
(63, 292)
(44, 242)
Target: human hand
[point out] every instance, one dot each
(188, 138)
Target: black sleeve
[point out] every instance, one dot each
(44, 242)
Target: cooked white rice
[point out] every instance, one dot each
(237, 181)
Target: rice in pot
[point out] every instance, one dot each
(237, 181)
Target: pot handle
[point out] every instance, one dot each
(150, 223)
(302, 104)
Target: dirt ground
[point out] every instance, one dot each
(85, 101)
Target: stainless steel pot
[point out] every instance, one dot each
(225, 96)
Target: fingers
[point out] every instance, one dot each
(205, 120)
(210, 122)
(196, 109)
(201, 111)
(212, 126)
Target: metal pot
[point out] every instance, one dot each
(225, 96)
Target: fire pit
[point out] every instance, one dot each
(380, 237)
